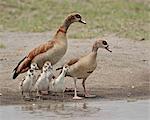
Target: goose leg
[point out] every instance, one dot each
(48, 91)
(23, 94)
(76, 97)
(29, 94)
(85, 91)
(39, 94)
(56, 93)
(63, 95)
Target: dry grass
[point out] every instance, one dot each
(126, 18)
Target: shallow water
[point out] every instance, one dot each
(87, 110)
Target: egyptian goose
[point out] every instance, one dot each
(81, 68)
(26, 84)
(52, 50)
(58, 85)
(42, 84)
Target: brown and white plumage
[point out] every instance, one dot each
(26, 84)
(42, 84)
(51, 51)
(58, 84)
(81, 68)
(34, 67)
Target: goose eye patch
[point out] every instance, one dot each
(31, 71)
(104, 42)
(78, 16)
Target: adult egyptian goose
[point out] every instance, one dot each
(52, 50)
(81, 68)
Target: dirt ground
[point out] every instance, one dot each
(124, 73)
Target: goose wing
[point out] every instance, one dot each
(24, 64)
(71, 62)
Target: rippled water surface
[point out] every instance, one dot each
(89, 110)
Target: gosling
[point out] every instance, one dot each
(27, 83)
(58, 85)
(35, 67)
(42, 84)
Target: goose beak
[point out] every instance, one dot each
(82, 21)
(107, 48)
(50, 67)
(36, 68)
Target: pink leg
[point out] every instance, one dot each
(85, 91)
(76, 97)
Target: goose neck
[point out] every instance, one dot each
(63, 29)
(94, 49)
(63, 73)
(66, 24)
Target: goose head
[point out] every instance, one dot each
(65, 68)
(75, 17)
(30, 73)
(47, 66)
(34, 66)
(101, 44)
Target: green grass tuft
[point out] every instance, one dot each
(2, 45)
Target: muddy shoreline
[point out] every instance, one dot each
(15, 98)
(123, 74)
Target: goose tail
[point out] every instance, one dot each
(15, 69)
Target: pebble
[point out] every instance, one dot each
(132, 87)
(33, 104)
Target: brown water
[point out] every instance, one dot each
(89, 110)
